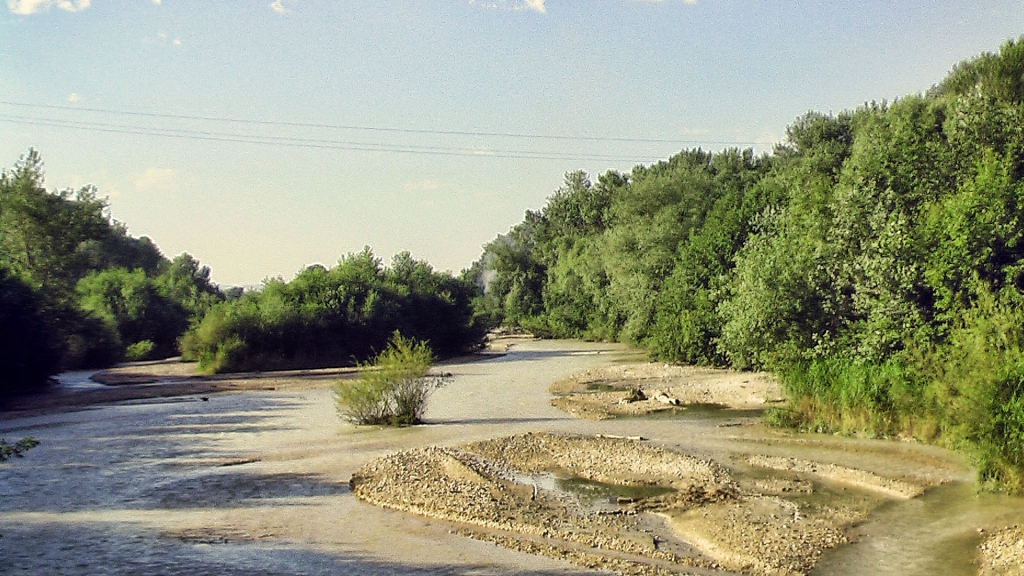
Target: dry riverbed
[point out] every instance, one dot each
(642, 388)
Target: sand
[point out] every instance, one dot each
(639, 388)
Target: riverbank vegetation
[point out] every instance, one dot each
(337, 316)
(874, 260)
(76, 291)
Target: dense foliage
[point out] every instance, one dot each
(30, 346)
(77, 291)
(337, 316)
(875, 260)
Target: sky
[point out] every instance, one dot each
(264, 137)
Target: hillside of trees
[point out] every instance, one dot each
(874, 261)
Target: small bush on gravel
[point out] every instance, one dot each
(393, 388)
(8, 451)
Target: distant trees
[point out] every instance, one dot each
(77, 291)
(337, 316)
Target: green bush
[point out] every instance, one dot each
(392, 389)
(977, 388)
(16, 450)
(139, 351)
(847, 396)
(335, 317)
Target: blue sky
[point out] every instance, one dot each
(265, 136)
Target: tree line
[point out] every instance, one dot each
(77, 291)
(874, 260)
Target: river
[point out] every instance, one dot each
(256, 483)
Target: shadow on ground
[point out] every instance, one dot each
(115, 549)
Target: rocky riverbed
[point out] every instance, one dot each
(522, 488)
(638, 388)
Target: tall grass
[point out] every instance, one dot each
(967, 393)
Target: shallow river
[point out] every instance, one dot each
(256, 483)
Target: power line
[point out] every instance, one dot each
(307, 142)
(379, 128)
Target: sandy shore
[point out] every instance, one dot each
(639, 388)
(164, 379)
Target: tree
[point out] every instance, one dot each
(148, 321)
(41, 232)
(30, 345)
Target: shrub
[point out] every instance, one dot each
(16, 450)
(336, 317)
(393, 388)
(139, 351)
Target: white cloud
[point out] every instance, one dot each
(73, 6)
(33, 6)
(27, 6)
(278, 6)
(73, 97)
(157, 2)
(176, 42)
(161, 34)
(535, 5)
(156, 179)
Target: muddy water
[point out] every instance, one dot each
(935, 533)
(256, 483)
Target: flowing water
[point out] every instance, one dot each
(256, 483)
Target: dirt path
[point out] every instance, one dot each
(256, 482)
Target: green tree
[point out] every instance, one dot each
(41, 232)
(139, 309)
(30, 345)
